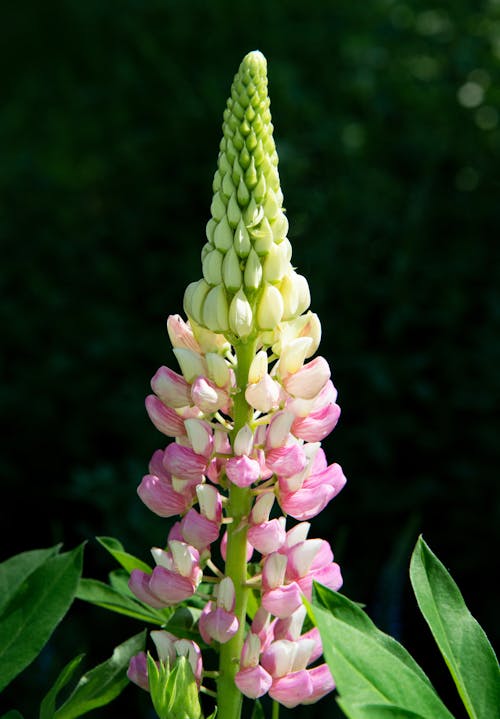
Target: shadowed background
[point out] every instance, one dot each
(387, 128)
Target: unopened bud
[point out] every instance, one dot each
(218, 207)
(194, 297)
(218, 371)
(242, 243)
(276, 263)
(263, 237)
(270, 308)
(258, 367)
(253, 271)
(212, 267)
(223, 235)
(215, 310)
(231, 272)
(240, 315)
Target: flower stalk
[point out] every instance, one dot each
(229, 697)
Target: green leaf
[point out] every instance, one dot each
(364, 661)
(461, 640)
(128, 561)
(253, 604)
(35, 610)
(15, 570)
(258, 710)
(48, 705)
(376, 711)
(183, 623)
(102, 684)
(118, 579)
(95, 592)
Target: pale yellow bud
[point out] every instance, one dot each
(259, 191)
(253, 271)
(304, 294)
(276, 263)
(209, 231)
(194, 297)
(215, 310)
(243, 193)
(271, 205)
(293, 355)
(280, 227)
(270, 309)
(240, 315)
(223, 235)
(218, 207)
(227, 183)
(242, 243)
(296, 295)
(307, 325)
(218, 371)
(263, 237)
(233, 211)
(231, 272)
(191, 363)
(253, 214)
(212, 267)
(258, 367)
(210, 341)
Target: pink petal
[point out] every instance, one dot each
(322, 683)
(166, 420)
(171, 388)
(286, 461)
(198, 530)
(279, 429)
(139, 584)
(221, 625)
(318, 647)
(282, 601)
(277, 659)
(170, 587)
(292, 689)
(304, 556)
(181, 334)
(308, 381)
(242, 471)
(207, 396)
(263, 395)
(305, 503)
(184, 463)
(206, 611)
(156, 466)
(331, 475)
(329, 576)
(137, 671)
(253, 682)
(317, 425)
(161, 498)
(267, 537)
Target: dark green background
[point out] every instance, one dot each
(109, 129)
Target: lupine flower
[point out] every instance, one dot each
(247, 408)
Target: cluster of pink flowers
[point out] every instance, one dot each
(278, 456)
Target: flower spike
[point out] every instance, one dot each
(247, 406)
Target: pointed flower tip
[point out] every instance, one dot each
(255, 60)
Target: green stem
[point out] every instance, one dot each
(229, 697)
(276, 710)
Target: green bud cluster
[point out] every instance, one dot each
(248, 284)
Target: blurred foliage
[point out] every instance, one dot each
(388, 130)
